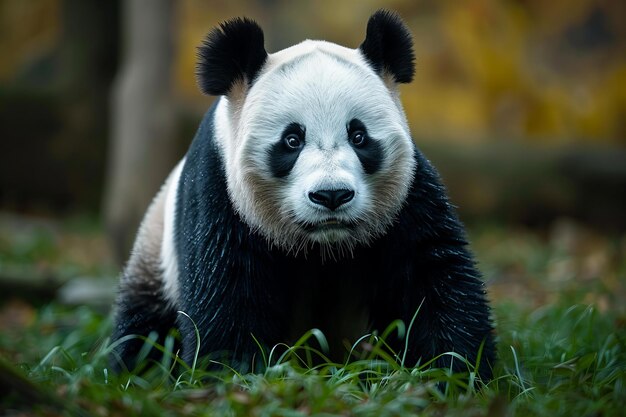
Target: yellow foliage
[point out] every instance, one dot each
(452, 112)
(605, 116)
(486, 69)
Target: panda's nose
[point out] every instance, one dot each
(331, 199)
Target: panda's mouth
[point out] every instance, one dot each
(328, 224)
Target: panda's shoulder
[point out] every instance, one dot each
(202, 175)
(204, 143)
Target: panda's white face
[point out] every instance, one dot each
(317, 150)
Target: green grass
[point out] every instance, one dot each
(560, 318)
(557, 361)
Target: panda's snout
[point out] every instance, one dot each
(331, 199)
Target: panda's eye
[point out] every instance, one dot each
(293, 141)
(293, 137)
(357, 138)
(357, 133)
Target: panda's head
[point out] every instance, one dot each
(314, 139)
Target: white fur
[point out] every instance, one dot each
(321, 86)
(169, 259)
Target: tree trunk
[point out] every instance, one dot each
(142, 148)
(517, 183)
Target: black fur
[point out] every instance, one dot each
(388, 46)
(232, 53)
(234, 285)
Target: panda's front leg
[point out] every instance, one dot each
(234, 311)
(447, 299)
(438, 293)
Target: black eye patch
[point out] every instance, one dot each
(284, 153)
(368, 150)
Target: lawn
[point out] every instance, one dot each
(558, 298)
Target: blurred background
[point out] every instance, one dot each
(520, 104)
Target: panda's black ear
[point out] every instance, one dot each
(388, 46)
(233, 52)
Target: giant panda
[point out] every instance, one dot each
(303, 203)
